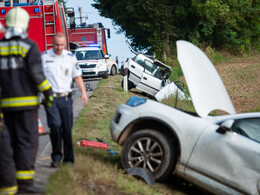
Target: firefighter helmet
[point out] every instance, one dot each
(16, 22)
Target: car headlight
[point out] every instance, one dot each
(135, 101)
(100, 65)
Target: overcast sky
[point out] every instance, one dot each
(116, 44)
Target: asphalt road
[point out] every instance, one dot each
(42, 166)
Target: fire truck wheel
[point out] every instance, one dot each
(105, 76)
(113, 70)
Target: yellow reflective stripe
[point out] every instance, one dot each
(20, 101)
(9, 190)
(15, 50)
(2, 115)
(24, 175)
(44, 85)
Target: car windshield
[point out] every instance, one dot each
(89, 55)
(249, 128)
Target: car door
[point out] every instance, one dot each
(136, 69)
(231, 158)
(149, 83)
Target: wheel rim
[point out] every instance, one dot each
(146, 153)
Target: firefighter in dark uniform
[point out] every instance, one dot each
(7, 168)
(21, 80)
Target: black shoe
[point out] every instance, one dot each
(55, 164)
(32, 190)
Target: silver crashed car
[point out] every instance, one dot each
(220, 154)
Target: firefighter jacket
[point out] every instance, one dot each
(21, 75)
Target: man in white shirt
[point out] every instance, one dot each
(60, 67)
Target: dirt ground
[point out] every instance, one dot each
(241, 78)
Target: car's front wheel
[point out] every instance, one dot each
(105, 76)
(151, 150)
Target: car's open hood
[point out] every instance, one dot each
(206, 88)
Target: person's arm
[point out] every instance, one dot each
(81, 86)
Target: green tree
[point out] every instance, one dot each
(155, 26)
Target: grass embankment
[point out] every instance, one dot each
(96, 172)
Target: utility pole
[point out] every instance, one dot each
(80, 16)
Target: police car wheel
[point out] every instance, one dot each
(113, 70)
(105, 76)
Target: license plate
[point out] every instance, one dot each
(87, 70)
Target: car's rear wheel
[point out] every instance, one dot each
(151, 150)
(113, 70)
(130, 84)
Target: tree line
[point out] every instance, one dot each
(155, 26)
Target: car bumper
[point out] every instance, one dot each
(123, 117)
(93, 73)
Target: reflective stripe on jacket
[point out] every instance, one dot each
(21, 75)
(9, 190)
(20, 101)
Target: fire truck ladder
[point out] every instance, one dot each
(49, 22)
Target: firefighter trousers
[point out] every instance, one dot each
(23, 128)
(7, 168)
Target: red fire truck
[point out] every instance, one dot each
(85, 35)
(47, 17)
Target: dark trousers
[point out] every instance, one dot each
(60, 121)
(23, 130)
(7, 166)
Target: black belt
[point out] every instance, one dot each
(58, 95)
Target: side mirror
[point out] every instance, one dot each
(107, 56)
(225, 126)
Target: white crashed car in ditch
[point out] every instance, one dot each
(220, 154)
(150, 76)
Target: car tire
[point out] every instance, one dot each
(152, 150)
(129, 86)
(105, 76)
(113, 71)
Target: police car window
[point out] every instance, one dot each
(93, 55)
(249, 128)
(79, 55)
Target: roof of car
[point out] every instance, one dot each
(87, 48)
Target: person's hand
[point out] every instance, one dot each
(47, 102)
(84, 98)
(48, 98)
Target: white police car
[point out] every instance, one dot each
(92, 61)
